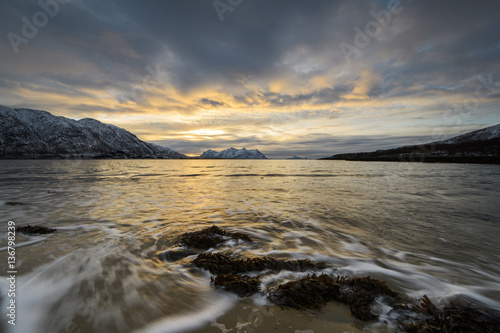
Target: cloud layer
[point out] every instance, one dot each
(286, 77)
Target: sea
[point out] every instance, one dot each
(423, 229)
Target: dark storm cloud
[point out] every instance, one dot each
(116, 55)
(453, 38)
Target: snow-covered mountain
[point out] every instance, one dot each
(26, 133)
(484, 134)
(233, 153)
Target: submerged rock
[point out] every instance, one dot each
(35, 229)
(224, 263)
(241, 285)
(176, 254)
(210, 237)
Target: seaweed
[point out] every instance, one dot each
(453, 318)
(224, 263)
(313, 291)
(35, 229)
(241, 285)
(210, 237)
(360, 293)
(310, 292)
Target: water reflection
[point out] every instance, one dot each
(424, 228)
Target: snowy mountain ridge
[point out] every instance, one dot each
(27, 133)
(233, 153)
(480, 146)
(484, 134)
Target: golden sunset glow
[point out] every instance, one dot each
(285, 86)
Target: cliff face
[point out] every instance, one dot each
(482, 146)
(233, 153)
(26, 133)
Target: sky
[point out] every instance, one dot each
(287, 77)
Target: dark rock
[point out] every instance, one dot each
(15, 203)
(360, 293)
(310, 292)
(224, 263)
(313, 291)
(454, 318)
(210, 237)
(36, 229)
(241, 285)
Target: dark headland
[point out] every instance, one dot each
(481, 146)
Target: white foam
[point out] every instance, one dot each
(213, 309)
(354, 245)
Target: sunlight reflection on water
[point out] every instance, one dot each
(424, 228)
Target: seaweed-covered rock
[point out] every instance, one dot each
(454, 318)
(210, 237)
(223, 263)
(241, 285)
(310, 292)
(360, 293)
(35, 230)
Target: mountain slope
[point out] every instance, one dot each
(481, 146)
(26, 133)
(484, 134)
(233, 153)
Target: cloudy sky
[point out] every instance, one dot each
(287, 77)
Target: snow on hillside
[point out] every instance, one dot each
(233, 153)
(26, 133)
(484, 134)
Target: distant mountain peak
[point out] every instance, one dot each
(27, 133)
(234, 153)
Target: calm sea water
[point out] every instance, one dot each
(428, 229)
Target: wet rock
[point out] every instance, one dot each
(210, 237)
(175, 254)
(15, 203)
(359, 295)
(310, 292)
(314, 291)
(241, 285)
(224, 263)
(454, 318)
(35, 230)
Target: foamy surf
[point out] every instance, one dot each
(103, 269)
